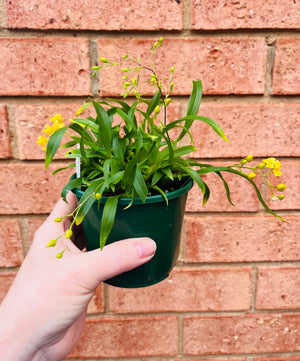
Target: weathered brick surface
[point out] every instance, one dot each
(226, 66)
(278, 287)
(45, 66)
(279, 358)
(262, 130)
(291, 177)
(253, 14)
(188, 290)
(286, 71)
(95, 15)
(11, 253)
(5, 151)
(31, 120)
(241, 239)
(128, 337)
(6, 280)
(241, 334)
(243, 195)
(30, 188)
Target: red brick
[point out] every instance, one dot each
(33, 225)
(226, 66)
(286, 71)
(252, 333)
(241, 239)
(243, 195)
(107, 15)
(5, 151)
(207, 290)
(291, 177)
(279, 358)
(128, 337)
(30, 189)
(278, 287)
(253, 14)
(6, 280)
(259, 129)
(31, 120)
(45, 66)
(96, 304)
(11, 252)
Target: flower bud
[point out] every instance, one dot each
(68, 233)
(98, 196)
(281, 187)
(281, 197)
(249, 158)
(168, 101)
(59, 255)
(172, 69)
(58, 219)
(104, 60)
(261, 166)
(251, 176)
(157, 109)
(52, 243)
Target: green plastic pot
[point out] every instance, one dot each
(153, 219)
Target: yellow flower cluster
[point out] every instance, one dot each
(273, 164)
(58, 122)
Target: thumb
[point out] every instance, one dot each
(97, 266)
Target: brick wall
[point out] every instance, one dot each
(235, 292)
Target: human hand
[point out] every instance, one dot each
(43, 314)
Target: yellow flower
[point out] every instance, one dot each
(273, 164)
(57, 118)
(48, 130)
(249, 158)
(42, 141)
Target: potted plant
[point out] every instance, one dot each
(133, 174)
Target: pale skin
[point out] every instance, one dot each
(43, 314)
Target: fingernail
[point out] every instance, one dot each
(146, 247)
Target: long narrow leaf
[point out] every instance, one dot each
(140, 185)
(104, 130)
(195, 98)
(53, 145)
(108, 218)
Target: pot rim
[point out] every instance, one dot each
(150, 199)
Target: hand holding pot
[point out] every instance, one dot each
(43, 313)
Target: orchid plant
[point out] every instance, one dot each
(127, 151)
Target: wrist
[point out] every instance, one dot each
(15, 343)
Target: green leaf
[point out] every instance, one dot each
(53, 145)
(118, 149)
(190, 119)
(161, 192)
(153, 103)
(140, 185)
(195, 98)
(72, 165)
(129, 173)
(104, 130)
(73, 183)
(108, 218)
